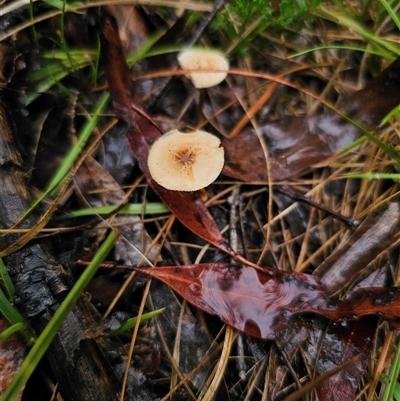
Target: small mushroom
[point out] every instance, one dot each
(186, 162)
(207, 60)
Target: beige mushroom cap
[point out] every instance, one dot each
(207, 60)
(186, 162)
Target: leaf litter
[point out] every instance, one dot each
(302, 141)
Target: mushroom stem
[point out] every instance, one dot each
(205, 68)
(201, 118)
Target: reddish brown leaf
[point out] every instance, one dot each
(12, 353)
(339, 343)
(260, 302)
(347, 369)
(384, 302)
(141, 133)
(296, 143)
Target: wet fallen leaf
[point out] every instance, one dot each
(338, 343)
(260, 302)
(347, 369)
(294, 144)
(256, 302)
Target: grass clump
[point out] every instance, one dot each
(245, 22)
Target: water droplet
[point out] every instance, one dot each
(202, 304)
(329, 305)
(286, 279)
(284, 313)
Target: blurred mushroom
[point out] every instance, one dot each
(214, 64)
(186, 162)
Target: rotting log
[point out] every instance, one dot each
(41, 284)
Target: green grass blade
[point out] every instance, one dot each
(15, 318)
(63, 6)
(391, 151)
(343, 47)
(84, 136)
(77, 58)
(385, 379)
(11, 330)
(17, 321)
(392, 113)
(54, 74)
(8, 310)
(130, 323)
(392, 379)
(145, 50)
(131, 209)
(5, 281)
(354, 25)
(46, 337)
(391, 12)
(96, 69)
(374, 176)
